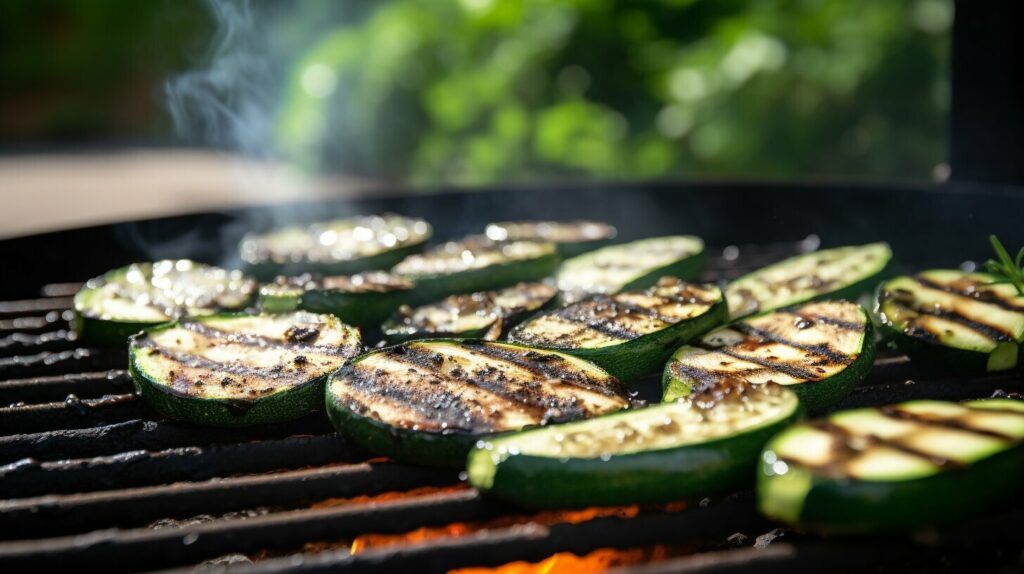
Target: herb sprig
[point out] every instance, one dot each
(1008, 269)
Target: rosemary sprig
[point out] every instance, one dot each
(1008, 269)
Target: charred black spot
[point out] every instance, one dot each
(299, 334)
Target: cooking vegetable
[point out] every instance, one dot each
(427, 402)
(633, 265)
(839, 273)
(632, 333)
(704, 444)
(238, 370)
(363, 299)
(909, 465)
(338, 247)
(818, 350)
(571, 237)
(952, 320)
(119, 303)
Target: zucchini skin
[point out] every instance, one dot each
(267, 270)
(573, 248)
(365, 310)
(688, 269)
(434, 287)
(106, 333)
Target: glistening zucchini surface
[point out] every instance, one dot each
(702, 445)
(364, 299)
(238, 370)
(903, 466)
(571, 237)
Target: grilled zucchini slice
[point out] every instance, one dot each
(633, 265)
(240, 370)
(122, 302)
(629, 334)
(914, 464)
(571, 237)
(705, 444)
(952, 320)
(819, 350)
(338, 247)
(839, 273)
(364, 299)
(484, 315)
(428, 402)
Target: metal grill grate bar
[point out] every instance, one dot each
(72, 413)
(58, 387)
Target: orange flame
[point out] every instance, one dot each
(599, 560)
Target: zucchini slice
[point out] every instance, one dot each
(483, 315)
(914, 464)
(240, 370)
(364, 299)
(571, 237)
(633, 265)
(338, 247)
(632, 333)
(122, 302)
(952, 320)
(701, 445)
(839, 273)
(476, 263)
(819, 350)
(428, 402)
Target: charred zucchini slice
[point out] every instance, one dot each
(952, 320)
(898, 467)
(484, 315)
(818, 350)
(629, 334)
(702, 445)
(633, 265)
(427, 402)
(364, 299)
(571, 237)
(122, 302)
(240, 370)
(338, 247)
(839, 273)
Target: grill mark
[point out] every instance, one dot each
(793, 371)
(833, 321)
(993, 333)
(579, 314)
(546, 370)
(250, 340)
(984, 297)
(842, 453)
(822, 350)
(991, 410)
(203, 363)
(899, 414)
(702, 376)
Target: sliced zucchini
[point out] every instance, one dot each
(704, 444)
(364, 299)
(483, 315)
(338, 247)
(427, 402)
(914, 464)
(952, 320)
(476, 263)
(122, 302)
(239, 370)
(571, 237)
(633, 265)
(632, 333)
(839, 273)
(819, 350)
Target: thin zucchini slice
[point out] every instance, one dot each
(839, 273)
(122, 302)
(428, 402)
(632, 333)
(338, 247)
(952, 320)
(364, 299)
(705, 444)
(571, 237)
(633, 265)
(240, 370)
(483, 315)
(914, 464)
(819, 350)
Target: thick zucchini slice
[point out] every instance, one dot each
(633, 265)
(914, 464)
(952, 320)
(364, 299)
(702, 445)
(122, 302)
(571, 237)
(338, 247)
(428, 402)
(483, 315)
(239, 370)
(839, 273)
(819, 350)
(632, 333)
(476, 263)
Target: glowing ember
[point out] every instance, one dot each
(599, 560)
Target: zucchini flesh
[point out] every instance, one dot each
(429, 401)
(819, 350)
(633, 265)
(237, 370)
(363, 299)
(839, 273)
(704, 444)
(571, 237)
(908, 465)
